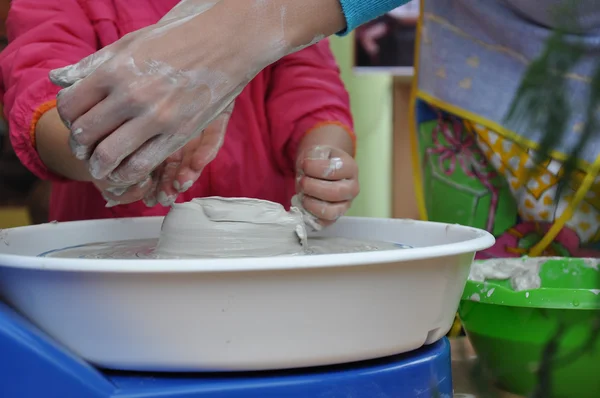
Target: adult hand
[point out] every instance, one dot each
(327, 183)
(134, 103)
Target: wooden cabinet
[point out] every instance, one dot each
(404, 204)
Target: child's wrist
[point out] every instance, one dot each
(332, 134)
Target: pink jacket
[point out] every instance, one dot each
(284, 102)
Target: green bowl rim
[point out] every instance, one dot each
(579, 299)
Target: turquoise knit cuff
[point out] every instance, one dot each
(358, 12)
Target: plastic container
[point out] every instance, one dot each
(510, 330)
(240, 314)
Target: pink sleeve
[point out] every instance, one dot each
(43, 35)
(306, 91)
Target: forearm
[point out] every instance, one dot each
(277, 27)
(330, 135)
(303, 21)
(52, 144)
(280, 27)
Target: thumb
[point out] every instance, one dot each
(69, 75)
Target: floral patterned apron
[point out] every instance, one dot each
(470, 167)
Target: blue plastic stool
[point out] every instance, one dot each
(32, 365)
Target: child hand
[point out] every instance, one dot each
(121, 195)
(327, 182)
(181, 170)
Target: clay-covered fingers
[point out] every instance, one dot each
(89, 130)
(127, 170)
(77, 99)
(70, 74)
(332, 169)
(166, 194)
(202, 150)
(327, 182)
(150, 199)
(82, 87)
(329, 191)
(326, 212)
(130, 153)
(197, 154)
(116, 195)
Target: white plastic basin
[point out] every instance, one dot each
(240, 314)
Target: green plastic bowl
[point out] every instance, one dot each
(510, 330)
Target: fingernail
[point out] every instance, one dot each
(79, 151)
(112, 203)
(182, 188)
(117, 191)
(94, 169)
(65, 121)
(150, 201)
(166, 200)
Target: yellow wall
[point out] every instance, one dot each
(371, 97)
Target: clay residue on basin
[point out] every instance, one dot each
(523, 272)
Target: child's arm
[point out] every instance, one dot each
(52, 144)
(43, 35)
(311, 130)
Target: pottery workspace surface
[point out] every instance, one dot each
(216, 227)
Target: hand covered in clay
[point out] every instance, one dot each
(327, 182)
(134, 103)
(119, 195)
(181, 170)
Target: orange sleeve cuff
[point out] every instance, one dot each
(37, 115)
(347, 129)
